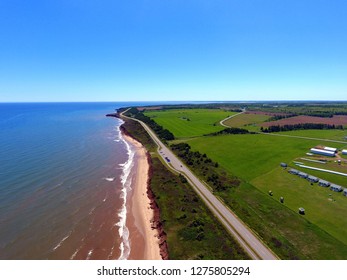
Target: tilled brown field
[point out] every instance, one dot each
(336, 120)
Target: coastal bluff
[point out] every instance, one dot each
(114, 115)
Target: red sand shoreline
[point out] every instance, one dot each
(144, 240)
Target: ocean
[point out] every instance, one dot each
(64, 180)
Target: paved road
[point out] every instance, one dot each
(247, 239)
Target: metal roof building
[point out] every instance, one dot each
(336, 188)
(293, 171)
(322, 152)
(303, 175)
(323, 183)
(312, 179)
(345, 192)
(330, 149)
(344, 152)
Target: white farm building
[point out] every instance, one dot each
(330, 149)
(322, 152)
(344, 152)
(345, 192)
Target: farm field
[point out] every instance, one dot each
(331, 134)
(304, 109)
(184, 123)
(247, 121)
(249, 156)
(333, 178)
(335, 120)
(321, 204)
(256, 158)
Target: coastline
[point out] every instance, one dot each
(143, 237)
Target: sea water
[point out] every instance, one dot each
(64, 181)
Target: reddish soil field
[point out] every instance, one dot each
(336, 120)
(149, 108)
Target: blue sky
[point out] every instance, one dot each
(147, 50)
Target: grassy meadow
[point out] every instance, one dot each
(331, 134)
(290, 235)
(184, 123)
(249, 156)
(255, 158)
(321, 204)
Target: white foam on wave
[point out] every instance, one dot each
(74, 254)
(92, 210)
(90, 254)
(62, 241)
(126, 183)
(110, 179)
(117, 128)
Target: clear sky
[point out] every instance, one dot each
(146, 50)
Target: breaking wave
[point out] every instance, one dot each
(62, 241)
(110, 179)
(126, 187)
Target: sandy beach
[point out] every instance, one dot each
(144, 243)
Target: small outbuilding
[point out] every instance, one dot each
(302, 211)
(283, 164)
(323, 183)
(345, 192)
(336, 188)
(293, 171)
(344, 152)
(302, 175)
(312, 179)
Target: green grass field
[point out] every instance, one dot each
(255, 159)
(322, 206)
(190, 122)
(333, 134)
(247, 121)
(333, 178)
(249, 156)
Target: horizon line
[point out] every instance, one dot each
(183, 101)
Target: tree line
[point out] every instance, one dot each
(163, 133)
(307, 113)
(230, 130)
(300, 126)
(205, 167)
